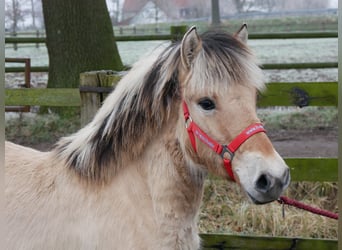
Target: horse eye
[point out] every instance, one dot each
(206, 104)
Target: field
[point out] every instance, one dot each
(307, 132)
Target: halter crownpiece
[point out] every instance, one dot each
(227, 152)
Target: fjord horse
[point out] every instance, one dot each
(133, 177)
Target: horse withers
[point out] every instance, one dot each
(133, 177)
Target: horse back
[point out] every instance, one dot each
(20, 158)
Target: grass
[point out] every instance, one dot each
(32, 129)
(291, 118)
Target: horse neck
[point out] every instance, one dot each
(176, 185)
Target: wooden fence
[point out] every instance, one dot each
(94, 86)
(174, 33)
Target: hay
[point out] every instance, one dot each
(226, 210)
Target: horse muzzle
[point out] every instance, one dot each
(265, 180)
(269, 188)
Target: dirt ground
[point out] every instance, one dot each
(319, 143)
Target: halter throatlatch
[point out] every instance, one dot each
(225, 151)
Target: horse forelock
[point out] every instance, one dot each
(223, 62)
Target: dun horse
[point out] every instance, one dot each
(133, 177)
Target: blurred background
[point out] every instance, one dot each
(24, 15)
(299, 46)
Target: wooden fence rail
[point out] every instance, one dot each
(280, 35)
(268, 66)
(246, 242)
(277, 94)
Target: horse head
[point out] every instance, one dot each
(220, 131)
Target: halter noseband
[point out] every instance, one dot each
(225, 151)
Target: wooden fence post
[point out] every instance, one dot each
(15, 45)
(94, 88)
(37, 34)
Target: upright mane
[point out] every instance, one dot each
(146, 98)
(225, 61)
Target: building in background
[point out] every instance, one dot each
(148, 11)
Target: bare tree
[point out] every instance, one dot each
(39, 19)
(17, 12)
(114, 10)
(244, 5)
(269, 5)
(301, 4)
(316, 4)
(227, 7)
(13, 14)
(33, 15)
(239, 4)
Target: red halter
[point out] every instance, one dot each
(225, 151)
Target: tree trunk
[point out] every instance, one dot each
(215, 13)
(79, 38)
(239, 4)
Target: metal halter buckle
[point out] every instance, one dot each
(226, 152)
(188, 121)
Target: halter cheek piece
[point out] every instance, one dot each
(225, 151)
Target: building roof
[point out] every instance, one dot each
(137, 5)
(133, 5)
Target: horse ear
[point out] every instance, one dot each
(191, 44)
(242, 33)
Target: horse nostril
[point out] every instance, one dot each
(263, 183)
(287, 177)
